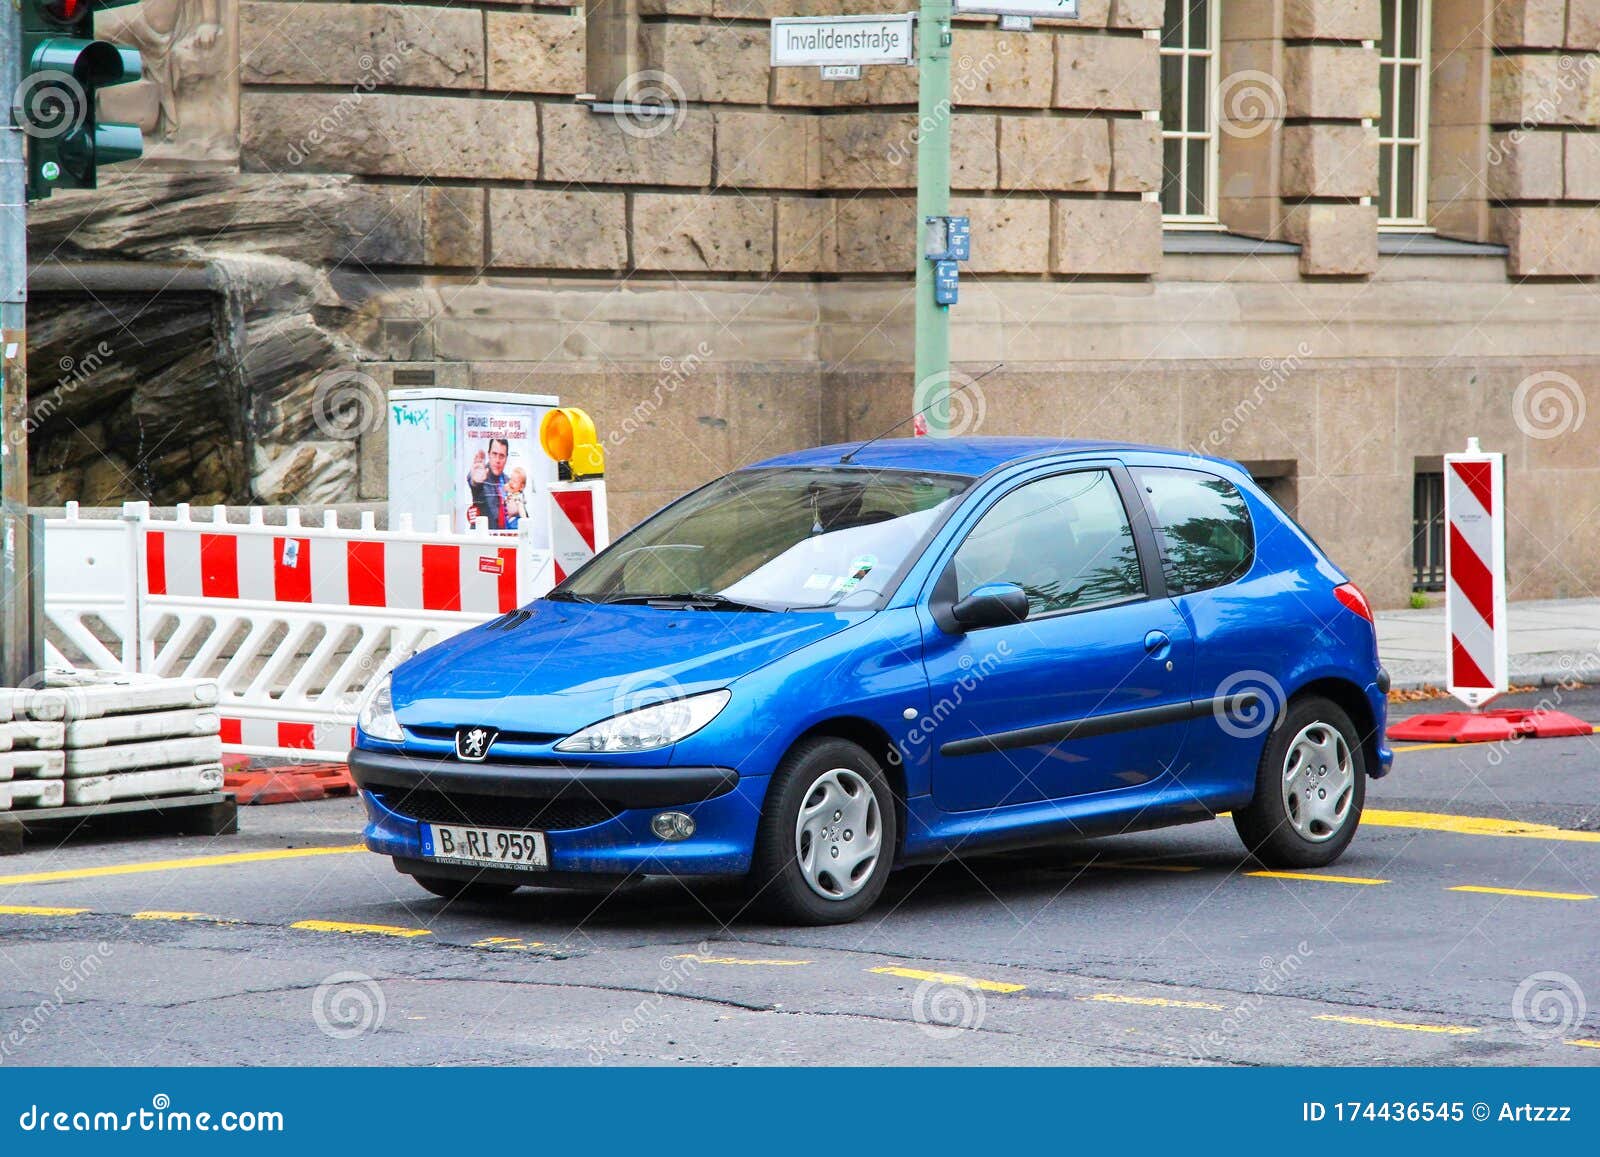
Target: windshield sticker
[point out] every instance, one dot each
(822, 582)
(858, 571)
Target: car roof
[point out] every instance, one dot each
(973, 456)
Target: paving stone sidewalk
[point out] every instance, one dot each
(1551, 641)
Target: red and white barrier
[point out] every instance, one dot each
(293, 622)
(1475, 570)
(578, 525)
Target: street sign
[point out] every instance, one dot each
(946, 282)
(1039, 9)
(1475, 570)
(821, 40)
(958, 238)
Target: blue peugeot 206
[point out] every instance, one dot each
(844, 660)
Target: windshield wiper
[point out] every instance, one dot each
(569, 597)
(688, 599)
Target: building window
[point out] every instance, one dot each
(1403, 129)
(1427, 531)
(1189, 112)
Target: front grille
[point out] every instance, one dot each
(493, 811)
(448, 734)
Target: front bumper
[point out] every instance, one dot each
(614, 805)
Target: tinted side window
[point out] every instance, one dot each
(1202, 526)
(1065, 540)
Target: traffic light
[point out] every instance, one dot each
(63, 68)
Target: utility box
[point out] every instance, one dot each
(470, 453)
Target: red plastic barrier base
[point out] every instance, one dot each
(289, 784)
(1489, 726)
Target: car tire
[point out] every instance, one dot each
(827, 836)
(476, 893)
(1311, 785)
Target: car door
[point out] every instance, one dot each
(1090, 692)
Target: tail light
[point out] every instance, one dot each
(1350, 595)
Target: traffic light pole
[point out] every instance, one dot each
(18, 634)
(932, 359)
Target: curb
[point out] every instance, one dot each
(1557, 676)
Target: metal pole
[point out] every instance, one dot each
(17, 618)
(932, 366)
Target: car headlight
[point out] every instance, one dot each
(377, 714)
(658, 725)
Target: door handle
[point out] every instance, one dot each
(1157, 644)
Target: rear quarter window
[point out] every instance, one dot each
(1202, 526)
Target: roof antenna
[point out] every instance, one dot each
(844, 459)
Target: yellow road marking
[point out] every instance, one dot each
(1318, 877)
(512, 942)
(1372, 1022)
(1584, 1044)
(954, 978)
(1153, 1001)
(1521, 892)
(24, 910)
(358, 929)
(175, 865)
(753, 961)
(186, 916)
(1472, 826)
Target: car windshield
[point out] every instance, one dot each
(773, 539)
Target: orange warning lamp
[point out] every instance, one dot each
(567, 435)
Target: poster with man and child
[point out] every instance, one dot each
(500, 447)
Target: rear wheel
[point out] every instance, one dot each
(826, 841)
(1310, 788)
(473, 892)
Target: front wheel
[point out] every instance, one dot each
(827, 836)
(1311, 785)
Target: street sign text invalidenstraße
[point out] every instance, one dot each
(814, 40)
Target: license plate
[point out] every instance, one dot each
(498, 847)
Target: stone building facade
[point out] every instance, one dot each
(1329, 238)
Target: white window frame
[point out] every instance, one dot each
(1212, 53)
(1391, 144)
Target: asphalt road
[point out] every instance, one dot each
(1162, 948)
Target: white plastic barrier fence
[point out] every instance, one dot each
(294, 622)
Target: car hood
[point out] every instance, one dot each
(572, 664)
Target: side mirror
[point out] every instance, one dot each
(991, 605)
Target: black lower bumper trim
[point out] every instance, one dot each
(625, 787)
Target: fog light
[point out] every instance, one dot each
(673, 826)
